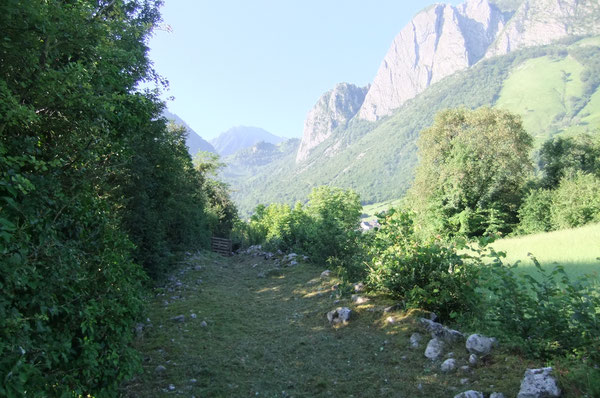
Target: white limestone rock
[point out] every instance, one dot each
(539, 22)
(336, 107)
(448, 365)
(439, 41)
(339, 315)
(434, 349)
(480, 345)
(469, 394)
(539, 383)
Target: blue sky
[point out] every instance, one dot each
(265, 63)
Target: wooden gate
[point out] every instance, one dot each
(221, 246)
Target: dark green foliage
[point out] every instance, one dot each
(545, 315)
(576, 201)
(563, 156)
(473, 168)
(326, 228)
(91, 179)
(535, 212)
(427, 275)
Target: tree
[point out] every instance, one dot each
(473, 165)
(564, 156)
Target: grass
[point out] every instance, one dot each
(576, 249)
(540, 89)
(373, 209)
(269, 337)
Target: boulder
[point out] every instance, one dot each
(539, 383)
(448, 365)
(496, 395)
(160, 369)
(325, 274)
(434, 349)
(469, 394)
(480, 345)
(339, 315)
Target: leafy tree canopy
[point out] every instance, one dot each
(473, 165)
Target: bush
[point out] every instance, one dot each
(535, 212)
(576, 201)
(429, 275)
(544, 315)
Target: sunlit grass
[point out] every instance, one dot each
(269, 337)
(576, 249)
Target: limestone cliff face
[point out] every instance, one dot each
(336, 107)
(538, 22)
(439, 41)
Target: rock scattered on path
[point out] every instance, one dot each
(480, 345)
(539, 383)
(178, 318)
(440, 331)
(448, 365)
(434, 349)
(470, 394)
(339, 315)
(415, 340)
(359, 299)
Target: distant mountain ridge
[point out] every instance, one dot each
(194, 142)
(554, 87)
(240, 137)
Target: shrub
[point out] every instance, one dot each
(535, 212)
(576, 201)
(544, 315)
(428, 275)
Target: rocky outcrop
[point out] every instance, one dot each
(336, 107)
(439, 41)
(538, 22)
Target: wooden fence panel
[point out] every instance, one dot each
(221, 246)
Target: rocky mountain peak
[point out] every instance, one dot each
(439, 41)
(336, 107)
(539, 22)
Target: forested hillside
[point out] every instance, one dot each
(554, 88)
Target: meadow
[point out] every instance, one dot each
(577, 249)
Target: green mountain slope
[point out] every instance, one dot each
(554, 88)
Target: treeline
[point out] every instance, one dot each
(96, 193)
(474, 182)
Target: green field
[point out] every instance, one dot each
(576, 249)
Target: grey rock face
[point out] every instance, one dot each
(439, 41)
(469, 394)
(339, 315)
(480, 345)
(336, 107)
(538, 22)
(434, 349)
(539, 383)
(448, 365)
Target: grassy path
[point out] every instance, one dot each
(269, 337)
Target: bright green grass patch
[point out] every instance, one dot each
(372, 210)
(540, 89)
(576, 249)
(269, 337)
